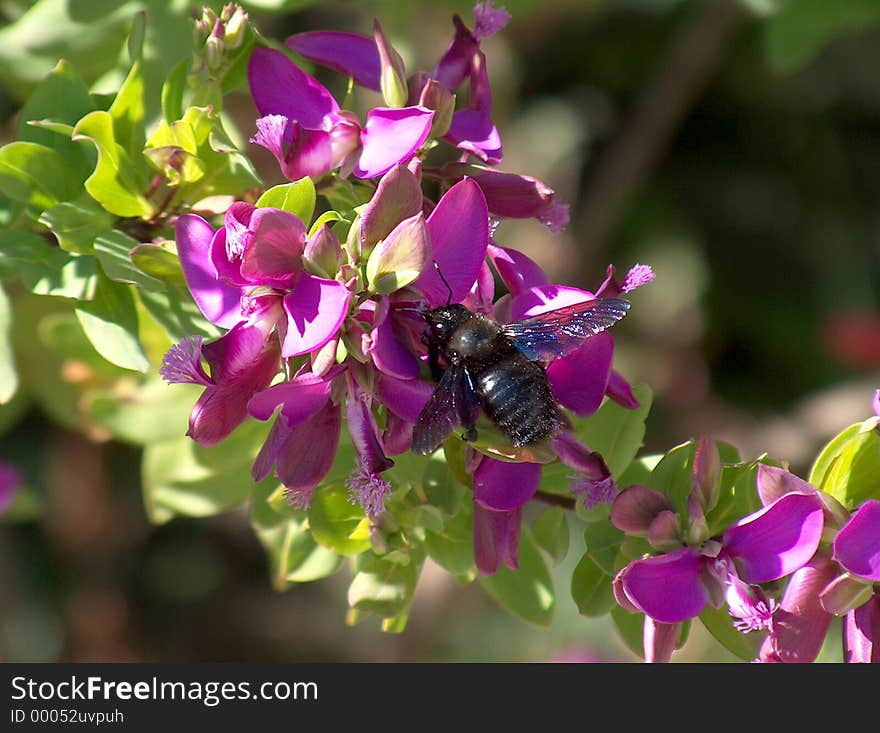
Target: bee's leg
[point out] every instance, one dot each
(434, 359)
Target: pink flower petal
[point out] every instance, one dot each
(619, 390)
(579, 380)
(391, 136)
(496, 538)
(315, 308)
(348, 53)
(668, 588)
(472, 131)
(390, 354)
(404, 397)
(300, 398)
(219, 302)
(857, 545)
(773, 483)
(459, 229)
(777, 540)
(659, 640)
(273, 256)
(636, 507)
(502, 486)
(280, 87)
(800, 623)
(861, 633)
(517, 272)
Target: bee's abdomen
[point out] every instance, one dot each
(517, 398)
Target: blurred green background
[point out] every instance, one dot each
(733, 146)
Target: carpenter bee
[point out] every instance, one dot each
(500, 369)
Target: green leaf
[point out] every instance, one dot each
(37, 175)
(112, 250)
(337, 523)
(383, 587)
(110, 321)
(672, 475)
(326, 218)
(591, 588)
(630, 626)
(298, 198)
(801, 28)
(172, 91)
(116, 183)
(441, 485)
(75, 225)
(150, 412)
(46, 270)
(175, 310)
(452, 548)
(136, 36)
(294, 556)
(603, 541)
(180, 477)
(528, 591)
(617, 432)
(550, 531)
(719, 623)
(127, 113)
(159, 261)
(8, 375)
(848, 468)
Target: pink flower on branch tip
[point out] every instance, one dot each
(302, 125)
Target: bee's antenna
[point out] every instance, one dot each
(448, 288)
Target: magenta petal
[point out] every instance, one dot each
(390, 354)
(544, 298)
(517, 272)
(800, 623)
(265, 460)
(876, 403)
(636, 507)
(365, 434)
(455, 64)
(348, 53)
(219, 302)
(659, 640)
(496, 538)
(774, 483)
(315, 310)
(776, 540)
(404, 397)
(579, 380)
(619, 390)
(234, 353)
(503, 486)
(459, 229)
(300, 398)
(861, 633)
(273, 256)
(472, 131)
(391, 136)
(397, 436)
(280, 87)
(857, 545)
(310, 153)
(513, 195)
(667, 587)
(307, 454)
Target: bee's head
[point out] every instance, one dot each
(443, 321)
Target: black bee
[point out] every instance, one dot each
(499, 368)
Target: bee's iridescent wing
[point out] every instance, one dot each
(559, 332)
(455, 402)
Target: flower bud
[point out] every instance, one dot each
(392, 79)
(235, 19)
(845, 593)
(438, 98)
(215, 46)
(665, 530)
(400, 258)
(636, 507)
(706, 479)
(322, 255)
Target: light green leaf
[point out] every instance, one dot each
(851, 467)
(551, 534)
(298, 198)
(8, 375)
(110, 321)
(176, 311)
(603, 541)
(180, 477)
(630, 626)
(37, 175)
(719, 623)
(326, 218)
(76, 224)
(46, 270)
(112, 250)
(337, 523)
(383, 587)
(591, 588)
(172, 91)
(672, 475)
(127, 113)
(617, 432)
(159, 261)
(528, 591)
(116, 183)
(294, 556)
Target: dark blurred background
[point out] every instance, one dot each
(734, 149)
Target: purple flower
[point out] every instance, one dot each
(10, 481)
(302, 126)
(766, 545)
(471, 128)
(876, 403)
